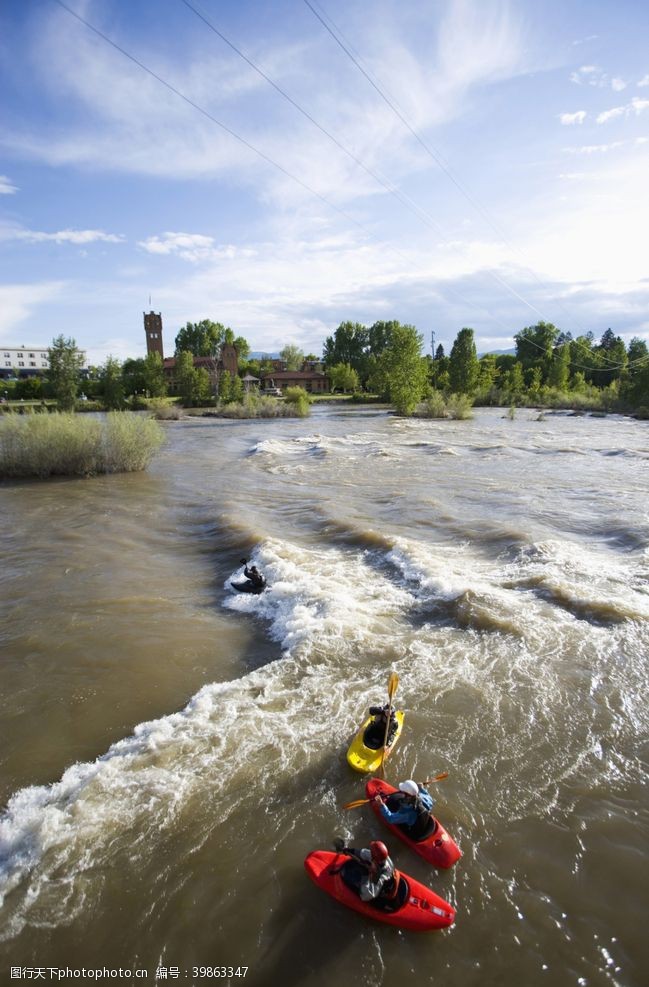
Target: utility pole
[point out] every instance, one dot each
(432, 343)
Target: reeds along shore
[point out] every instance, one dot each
(60, 444)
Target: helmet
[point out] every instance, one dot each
(410, 788)
(378, 850)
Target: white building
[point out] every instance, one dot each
(28, 361)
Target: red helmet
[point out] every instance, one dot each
(378, 850)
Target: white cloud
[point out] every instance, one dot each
(617, 111)
(637, 106)
(132, 116)
(592, 75)
(567, 119)
(62, 236)
(583, 74)
(644, 81)
(17, 303)
(582, 41)
(6, 186)
(194, 247)
(595, 148)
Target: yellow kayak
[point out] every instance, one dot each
(364, 759)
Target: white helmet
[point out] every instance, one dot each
(409, 787)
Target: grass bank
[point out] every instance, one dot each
(59, 444)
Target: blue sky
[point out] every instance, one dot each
(114, 189)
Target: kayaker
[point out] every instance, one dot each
(382, 877)
(375, 733)
(253, 575)
(411, 806)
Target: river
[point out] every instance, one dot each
(170, 751)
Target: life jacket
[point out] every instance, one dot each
(421, 824)
(391, 888)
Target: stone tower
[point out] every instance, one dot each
(153, 330)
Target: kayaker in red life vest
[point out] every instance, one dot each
(382, 878)
(375, 733)
(411, 806)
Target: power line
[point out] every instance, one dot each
(260, 153)
(436, 157)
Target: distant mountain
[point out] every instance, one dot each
(263, 355)
(511, 352)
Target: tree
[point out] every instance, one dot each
(112, 384)
(28, 388)
(225, 389)
(292, 356)
(349, 344)
(380, 335)
(514, 381)
(463, 364)
(193, 384)
(534, 346)
(134, 375)
(635, 387)
(400, 372)
(343, 378)
(153, 377)
(612, 358)
(201, 338)
(487, 372)
(236, 387)
(65, 367)
(559, 372)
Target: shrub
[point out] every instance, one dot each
(61, 444)
(459, 406)
(299, 399)
(162, 410)
(255, 405)
(433, 407)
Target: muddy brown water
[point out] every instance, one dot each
(171, 751)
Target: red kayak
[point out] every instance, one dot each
(437, 847)
(415, 906)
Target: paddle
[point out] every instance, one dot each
(393, 682)
(429, 781)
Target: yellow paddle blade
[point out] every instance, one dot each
(355, 805)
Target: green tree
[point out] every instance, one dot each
(292, 356)
(201, 338)
(112, 384)
(463, 364)
(514, 381)
(582, 357)
(153, 377)
(225, 388)
(487, 372)
(343, 378)
(612, 358)
(400, 371)
(638, 350)
(379, 336)
(236, 388)
(29, 388)
(559, 372)
(534, 346)
(635, 386)
(65, 368)
(193, 384)
(349, 344)
(134, 376)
